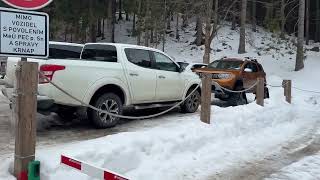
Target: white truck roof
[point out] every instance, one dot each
(65, 43)
(126, 45)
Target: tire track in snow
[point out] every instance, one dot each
(293, 151)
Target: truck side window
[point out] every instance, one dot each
(164, 63)
(98, 52)
(64, 51)
(138, 57)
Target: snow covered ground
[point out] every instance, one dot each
(306, 169)
(237, 138)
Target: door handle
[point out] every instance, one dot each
(162, 77)
(134, 74)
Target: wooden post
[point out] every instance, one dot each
(287, 84)
(206, 98)
(25, 109)
(260, 91)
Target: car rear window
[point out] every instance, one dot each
(57, 51)
(98, 52)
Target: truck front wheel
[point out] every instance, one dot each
(191, 104)
(109, 102)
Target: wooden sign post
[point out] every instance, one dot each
(25, 109)
(206, 98)
(32, 40)
(287, 85)
(260, 92)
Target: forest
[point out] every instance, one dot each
(91, 20)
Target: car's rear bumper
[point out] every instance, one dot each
(44, 103)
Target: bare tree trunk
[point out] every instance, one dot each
(72, 30)
(254, 15)
(184, 21)
(208, 28)
(139, 29)
(133, 32)
(103, 27)
(109, 21)
(127, 16)
(147, 24)
(113, 20)
(76, 32)
(151, 36)
(317, 37)
(120, 10)
(283, 18)
(242, 42)
(93, 32)
(199, 32)
(307, 21)
(65, 33)
(99, 31)
(300, 54)
(168, 21)
(234, 17)
(92, 22)
(164, 26)
(171, 15)
(177, 27)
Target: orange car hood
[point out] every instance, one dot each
(217, 71)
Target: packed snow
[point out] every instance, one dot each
(189, 149)
(306, 169)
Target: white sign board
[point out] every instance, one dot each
(23, 33)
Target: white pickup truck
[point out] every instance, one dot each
(113, 76)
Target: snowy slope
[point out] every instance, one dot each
(188, 149)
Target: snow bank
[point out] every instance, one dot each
(306, 169)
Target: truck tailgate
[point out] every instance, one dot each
(12, 66)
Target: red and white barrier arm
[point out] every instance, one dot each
(90, 170)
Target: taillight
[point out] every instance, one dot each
(48, 71)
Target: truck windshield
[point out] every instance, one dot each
(99, 52)
(232, 65)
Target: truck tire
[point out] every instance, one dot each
(109, 102)
(191, 104)
(236, 99)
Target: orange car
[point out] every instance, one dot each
(234, 74)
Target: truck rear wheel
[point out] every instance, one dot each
(191, 104)
(109, 102)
